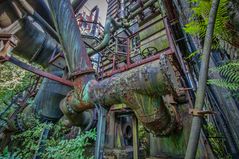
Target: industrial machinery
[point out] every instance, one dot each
(130, 70)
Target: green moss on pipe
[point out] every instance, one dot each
(141, 89)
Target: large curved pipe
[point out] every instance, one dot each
(142, 89)
(70, 37)
(37, 46)
(146, 90)
(78, 61)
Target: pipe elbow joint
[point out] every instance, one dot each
(85, 119)
(77, 106)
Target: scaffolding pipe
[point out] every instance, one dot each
(51, 93)
(107, 31)
(197, 120)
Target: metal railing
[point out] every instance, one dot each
(133, 51)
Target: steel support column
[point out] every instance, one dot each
(135, 137)
(197, 120)
(101, 126)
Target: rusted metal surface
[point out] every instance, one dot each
(138, 88)
(137, 64)
(78, 63)
(144, 86)
(7, 43)
(151, 90)
(200, 113)
(129, 64)
(40, 72)
(70, 37)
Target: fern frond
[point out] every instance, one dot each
(230, 73)
(199, 21)
(230, 66)
(224, 84)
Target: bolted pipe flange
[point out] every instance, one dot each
(175, 122)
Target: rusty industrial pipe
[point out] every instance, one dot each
(146, 90)
(111, 25)
(78, 62)
(70, 37)
(35, 46)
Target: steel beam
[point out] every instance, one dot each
(101, 127)
(39, 72)
(135, 137)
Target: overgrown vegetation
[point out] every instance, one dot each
(79, 147)
(217, 141)
(199, 21)
(224, 30)
(230, 74)
(144, 139)
(12, 80)
(25, 144)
